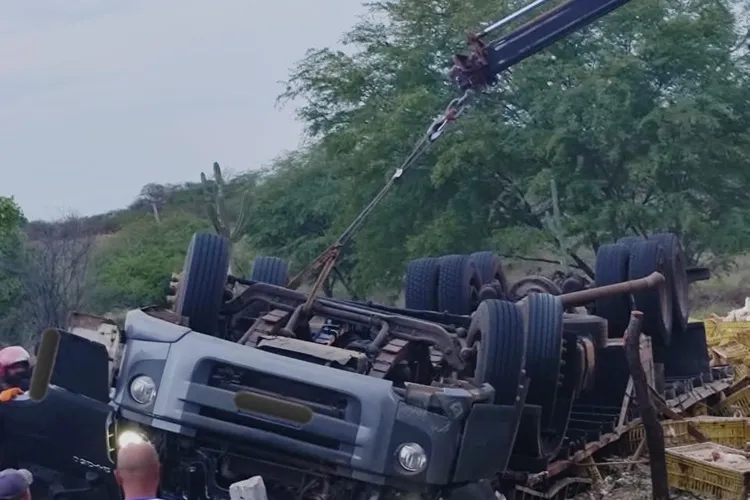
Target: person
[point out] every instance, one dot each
(138, 471)
(15, 370)
(15, 483)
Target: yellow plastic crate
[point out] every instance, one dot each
(741, 371)
(719, 332)
(713, 336)
(699, 410)
(731, 352)
(689, 471)
(728, 431)
(736, 405)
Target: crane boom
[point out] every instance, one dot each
(481, 67)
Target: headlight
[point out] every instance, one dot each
(412, 458)
(129, 437)
(143, 389)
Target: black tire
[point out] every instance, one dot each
(490, 269)
(200, 293)
(629, 241)
(458, 285)
(680, 286)
(271, 270)
(612, 262)
(421, 289)
(646, 257)
(544, 340)
(593, 327)
(501, 356)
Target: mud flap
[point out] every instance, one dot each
(529, 447)
(488, 438)
(539, 441)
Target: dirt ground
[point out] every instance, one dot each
(634, 485)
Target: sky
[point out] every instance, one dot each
(98, 98)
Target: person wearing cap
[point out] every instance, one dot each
(138, 471)
(15, 370)
(14, 484)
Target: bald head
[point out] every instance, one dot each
(136, 456)
(138, 470)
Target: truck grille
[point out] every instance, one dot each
(326, 403)
(323, 401)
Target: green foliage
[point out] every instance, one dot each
(642, 122)
(132, 268)
(294, 206)
(11, 291)
(11, 216)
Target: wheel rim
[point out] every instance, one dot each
(534, 284)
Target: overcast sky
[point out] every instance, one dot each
(98, 98)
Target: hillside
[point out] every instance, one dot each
(189, 202)
(187, 198)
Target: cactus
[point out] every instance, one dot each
(214, 194)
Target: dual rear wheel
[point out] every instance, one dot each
(665, 309)
(454, 283)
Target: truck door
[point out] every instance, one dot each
(66, 432)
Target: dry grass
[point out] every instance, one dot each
(723, 292)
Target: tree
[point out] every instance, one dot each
(295, 204)
(11, 290)
(11, 216)
(155, 196)
(53, 272)
(641, 121)
(294, 207)
(132, 268)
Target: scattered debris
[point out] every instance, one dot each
(633, 485)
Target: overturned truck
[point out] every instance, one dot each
(334, 398)
(346, 399)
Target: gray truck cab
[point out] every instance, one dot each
(241, 411)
